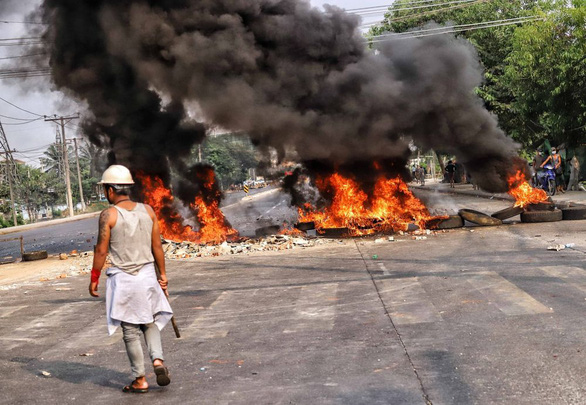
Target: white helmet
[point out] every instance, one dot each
(116, 174)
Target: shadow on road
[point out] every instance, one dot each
(75, 373)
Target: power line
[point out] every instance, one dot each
(21, 109)
(409, 33)
(26, 122)
(14, 118)
(387, 6)
(19, 38)
(23, 22)
(23, 56)
(453, 29)
(447, 3)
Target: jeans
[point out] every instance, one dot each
(152, 336)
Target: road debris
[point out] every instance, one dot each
(187, 250)
(557, 247)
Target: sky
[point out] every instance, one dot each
(30, 139)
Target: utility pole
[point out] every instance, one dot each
(65, 158)
(79, 176)
(9, 174)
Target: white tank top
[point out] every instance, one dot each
(131, 239)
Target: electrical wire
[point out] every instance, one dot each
(387, 6)
(21, 109)
(14, 118)
(24, 123)
(448, 30)
(409, 33)
(418, 7)
(23, 56)
(23, 22)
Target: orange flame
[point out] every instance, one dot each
(392, 207)
(522, 191)
(213, 225)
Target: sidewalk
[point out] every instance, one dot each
(52, 222)
(466, 189)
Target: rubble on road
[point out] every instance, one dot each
(187, 250)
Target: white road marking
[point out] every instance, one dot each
(210, 324)
(6, 311)
(509, 298)
(407, 301)
(382, 266)
(314, 310)
(41, 328)
(574, 276)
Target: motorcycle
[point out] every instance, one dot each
(546, 179)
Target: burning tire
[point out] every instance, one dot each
(574, 213)
(267, 231)
(305, 226)
(479, 218)
(452, 222)
(36, 255)
(333, 232)
(507, 213)
(541, 216)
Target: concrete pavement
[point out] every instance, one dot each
(471, 316)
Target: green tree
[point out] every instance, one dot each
(494, 45)
(231, 156)
(37, 189)
(546, 73)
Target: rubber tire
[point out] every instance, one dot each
(479, 218)
(507, 213)
(574, 213)
(333, 232)
(36, 255)
(305, 226)
(551, 187)
(541, 216)
(267, 231)
(542, 206)
(452, 222)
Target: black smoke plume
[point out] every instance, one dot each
(289, 75)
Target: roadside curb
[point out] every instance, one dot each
(44, 224)
(472, 193)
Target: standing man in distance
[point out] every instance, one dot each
(451, 170)
(135, 299)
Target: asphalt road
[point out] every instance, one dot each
(472, 316)
(242, 212)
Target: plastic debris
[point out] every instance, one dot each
(63, 256)
(46, 374)
(557, 247)
(570, 245)
(379, 240)
(374, 257)
(86, 354)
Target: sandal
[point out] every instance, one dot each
(135, 390)
(162, 374)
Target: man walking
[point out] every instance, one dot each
(451, 171)
(135, 299)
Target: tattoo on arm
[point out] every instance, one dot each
(103, 225)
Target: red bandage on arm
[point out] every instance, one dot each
(96, 275)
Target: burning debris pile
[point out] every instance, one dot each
(291, 77)
(213, 226)
(392, 207)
